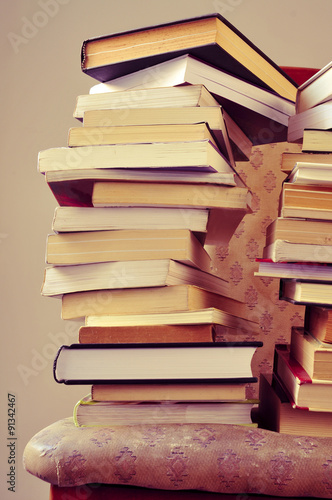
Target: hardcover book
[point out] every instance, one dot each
(315, 90)
(318, 117)
(101, 363)
(313, 355)
(305, 392)
(211, 38)
(277, 412)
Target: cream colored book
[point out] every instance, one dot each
(105, 246)
(161, 299)
(59, 280)
(199, 316)
(225, 130)
(200, 155)
(93, 219)
(157, 97)
(108, 194)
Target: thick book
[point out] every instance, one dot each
(209, 315)
(311, 174)
(227, 205)
(209, 37)
(59, 280)
(204, 362)
(137, 134)
(127, 244)
(95, 112)
(306, 292)
(299, 269)
(186, 96)
(199, 155)
(73, 187)
(305, 392)
(305, 201)
(315, 90)
(277, 412)
(318, 141)
(71, 219)
(319, 117)
(108, 194)
(146, 134)
(296, 230)
(318, 322)
(211, 226)
(251, 107)
(287, 251)
(159, 107)
(88, 413)
(162, 299)
(170, 391)
(314, 355)
(289, 160)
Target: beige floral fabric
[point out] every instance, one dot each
(215, 458)
(237, 261)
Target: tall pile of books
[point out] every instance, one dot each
(145, 186)
(298, 397)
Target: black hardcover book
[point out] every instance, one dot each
(210, 38)
(155, 363)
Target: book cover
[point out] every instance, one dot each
(210, 37)
(116, 363)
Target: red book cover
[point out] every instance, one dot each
(302, 377)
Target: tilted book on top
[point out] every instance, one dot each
(211, 38)
(261, 114)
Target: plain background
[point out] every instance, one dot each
(41, 77)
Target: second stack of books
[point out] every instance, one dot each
(297, 398)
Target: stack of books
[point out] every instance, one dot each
(297, 397)
(145, 186)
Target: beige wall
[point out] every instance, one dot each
(41, 78)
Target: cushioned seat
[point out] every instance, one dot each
(216, 458)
